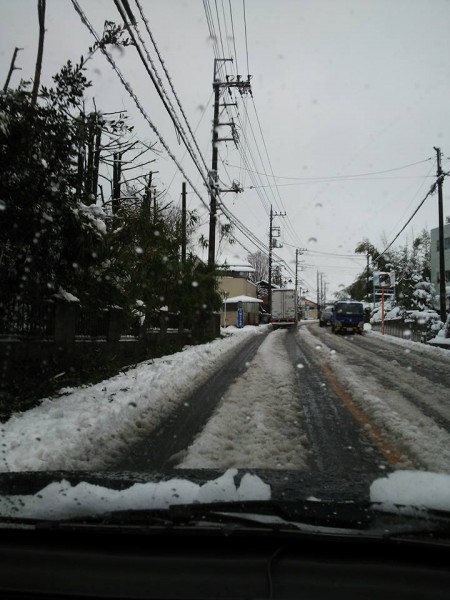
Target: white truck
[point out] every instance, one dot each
(284, 308)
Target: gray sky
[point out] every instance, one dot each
(345, 92)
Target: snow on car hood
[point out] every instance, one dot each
(420, 489)
(62, 500)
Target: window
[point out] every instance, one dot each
(446, 244)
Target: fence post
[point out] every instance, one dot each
(65, 321)
(163, 318)
(114, 324)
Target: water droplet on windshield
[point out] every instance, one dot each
(312, 240)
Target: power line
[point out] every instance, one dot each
(266, 204)
(347, 179)
(326, 178)
(245, 29)
(234, 37)
(128, 88)
(270, 164)
(169, 79)
(204, 109)
(430, 191)
(157, 82)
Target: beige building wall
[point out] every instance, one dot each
(238, 286)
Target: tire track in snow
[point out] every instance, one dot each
(386, 402)
(397, 371)
(340, 439)
(259, 422)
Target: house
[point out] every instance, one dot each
(434, 255)
(308, 309)
(239, 293)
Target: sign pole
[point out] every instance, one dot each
(382, 310)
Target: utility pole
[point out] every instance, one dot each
(318, 295)
(367, 278)
(269, 291)
(298, 251)
(271, 228)
(321, 290)
(183, 223)
(442, 293)
(243, 86)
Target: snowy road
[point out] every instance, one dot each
(305, 401)
(359, 403)
(309, 400)
(397, 390)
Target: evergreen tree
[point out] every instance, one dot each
(46, 239)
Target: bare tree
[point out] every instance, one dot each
(37, 72)
(260, 262)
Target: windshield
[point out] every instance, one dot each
(186, 187)
(349, 308)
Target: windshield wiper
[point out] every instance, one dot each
(274, 515)
(311, 517)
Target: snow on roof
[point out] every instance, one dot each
(234, 263)
(243, 299)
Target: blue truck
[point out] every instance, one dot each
(347, 315)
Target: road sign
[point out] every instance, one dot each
(240, 317)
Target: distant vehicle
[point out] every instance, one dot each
(284, 308)
(325, 316)
(347, 315)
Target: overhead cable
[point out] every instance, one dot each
(156, 80)
(430, 191)
(135, 98)
(343, 177)
(169, 79)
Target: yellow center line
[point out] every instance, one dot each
(392, 454)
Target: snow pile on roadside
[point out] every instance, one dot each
(259, 421)
(87, 427)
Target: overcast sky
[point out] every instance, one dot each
(346, 93)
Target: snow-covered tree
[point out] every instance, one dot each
(424, 296)
(411, 264)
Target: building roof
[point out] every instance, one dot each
(243, 299)
(234, 263)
